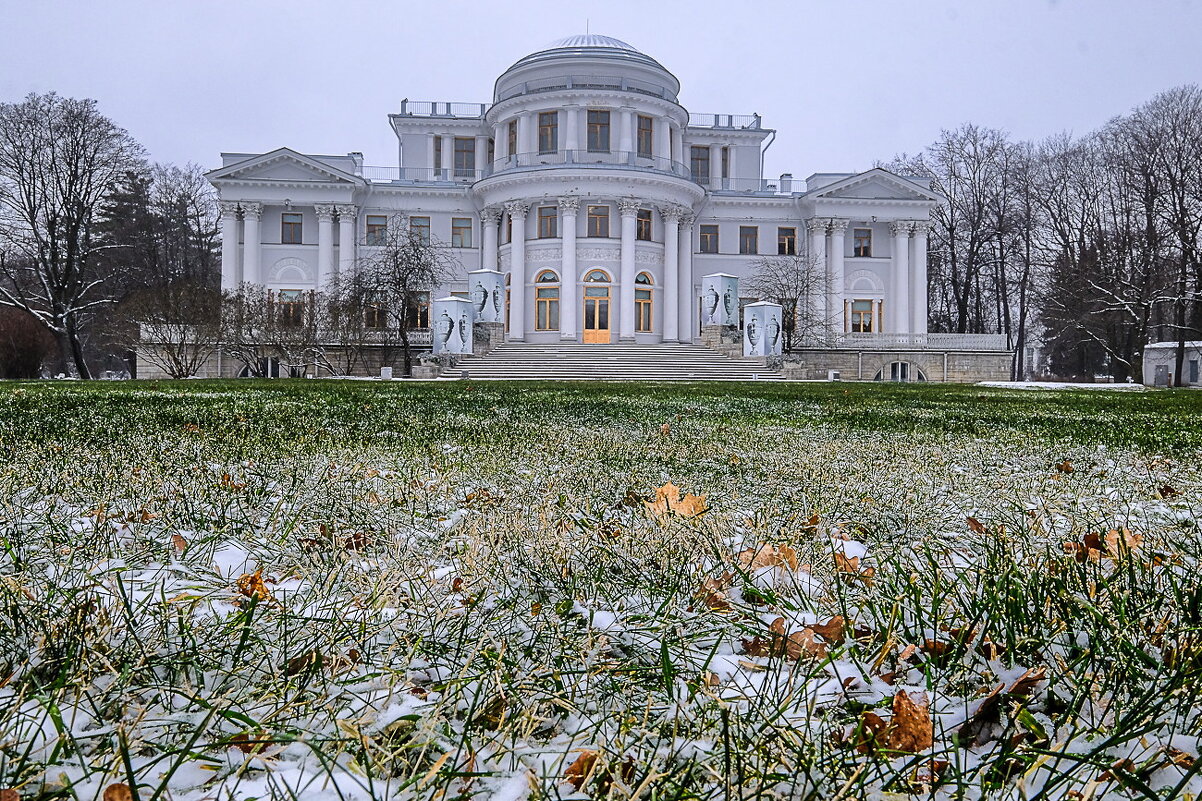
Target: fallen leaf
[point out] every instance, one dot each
(1167, 492)
(713, 593)
(665, 429)
(251, 585)
(668, 499)
(768, 556)
(976, 527)
(832, 630)
(1065, 467)
(911, 729)
(9, 794)
(179, 542)
(578, 772)
(118, 792)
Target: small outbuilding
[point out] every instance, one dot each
(1160, 362)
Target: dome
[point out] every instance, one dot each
(591, 40)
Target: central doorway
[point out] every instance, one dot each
(596, 308)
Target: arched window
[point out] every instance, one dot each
(903, 372)
(546, 302)
(642, 304)
(597, 277)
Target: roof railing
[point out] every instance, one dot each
(727, 121)
(438, 108)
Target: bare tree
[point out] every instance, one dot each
(390, 283)
(59, 157)
(798, 283)
(263, 328)
(176, 327)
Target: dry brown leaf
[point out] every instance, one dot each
(832, 630)
(578, 772)
(118, 792)
(179, 543)
(713, 593)
(251, 585)
(911, 729)
(665, 429)
(1167, 492)
(976, 527)
(802, 643)
(668, 499)
(1065, 467)
(9, 794)
(768, 556)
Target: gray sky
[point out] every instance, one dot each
(845, 83)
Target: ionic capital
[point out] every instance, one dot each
(569, 204)
(325, 212)
(517, 209)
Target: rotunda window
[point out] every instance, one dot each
(547, 277)
(644, 278)
(597, 276)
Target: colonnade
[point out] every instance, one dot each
(673, 304)
(252, 241)
(667, 137)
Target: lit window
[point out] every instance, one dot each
(699, 163)
(786, 241)
(461, 232)
(548, 131)
(377, 229)
(709, 239)
(645, 135)
(862, 242)
(375, 315)
(419, 311)
(643, 225)
(291, 308)
(861, 316)
(598, 131)
(749, 239)
(290, 228)
(420, 227)
(465, 157)
(598, 220)
(547, 218)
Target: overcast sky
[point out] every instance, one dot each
(844, 81)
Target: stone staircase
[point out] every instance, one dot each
(625, 362)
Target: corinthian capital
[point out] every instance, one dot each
(671, 212)
(517, 209)
(568, 204)
(901, 227)
(251, 210)
(347, 212)
(921, 227)
(628, 207)
(229, 208)
(325, 211)
(838, 225)
(687, 217)
(817, 225)
(491, 215)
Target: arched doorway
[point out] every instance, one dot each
(596, 328)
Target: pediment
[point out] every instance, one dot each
(876, 184)
(284, 165)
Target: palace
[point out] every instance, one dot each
(599, 202)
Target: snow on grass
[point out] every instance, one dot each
(254, 594)
(1061, 385)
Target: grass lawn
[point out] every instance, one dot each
(350, 590)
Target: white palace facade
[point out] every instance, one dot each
(598, 196)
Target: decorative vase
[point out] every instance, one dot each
(753, 333)
(712, 297)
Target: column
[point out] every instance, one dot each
(715, 166)
(517, 270)
(686, 306)
(499, 140)
(481, 154)
(629, 209)
(678, 153)
(663, 143)
(626, 133)
(834, 256)
(525, 134)
(827, 303)
(730, 163)
(448, 157)
(489, 219)
(229, 244)
(325, 243)
(670, 297)
(571, 140)
(347, 246)
(568, 302)
(430, 154)
(918, 284)
(251, 242)
(898, 313)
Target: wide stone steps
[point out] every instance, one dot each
(629, 362)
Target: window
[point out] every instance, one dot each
(642, 304)
(786, 241)
(437, 151)
(643, 225)
(862, 242)
(377, 229)
(598, 131)
(597, 277)
(465, 157)
(290, 228)
(512, 147)
(548, 131)
(709, 239)
(749, 239)
(420, 226)
(546, 302)
(861, 316)
(547, 218)
(699, 163)
(726, 162)
(461, 232)
(598, 220)
(646, 132)
(291, 308)
(375, 315)
(901, 371)
(419, 311)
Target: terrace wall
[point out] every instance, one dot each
(863, 365)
